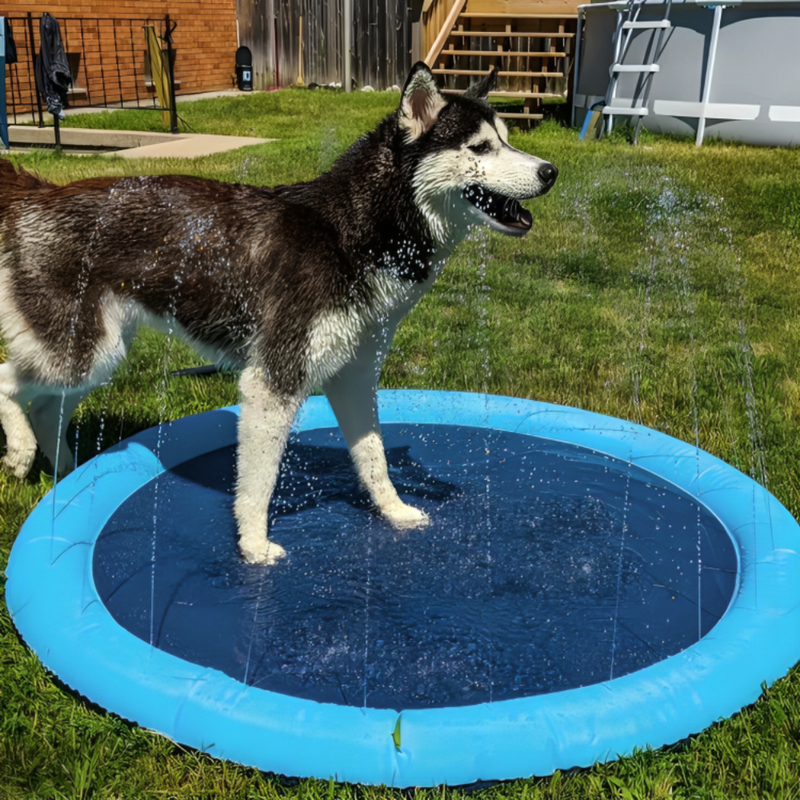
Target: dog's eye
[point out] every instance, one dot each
(480, 149)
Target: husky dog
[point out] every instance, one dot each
(297, 286)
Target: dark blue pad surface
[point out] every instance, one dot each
(546, 567)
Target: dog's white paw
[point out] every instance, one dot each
(404, 516)
(262, 552)
(18, 461)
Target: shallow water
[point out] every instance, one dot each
(593, 571)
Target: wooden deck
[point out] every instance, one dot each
(531, 44)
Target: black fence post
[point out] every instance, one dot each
(32, 51)
(3, 113)
(173, 112)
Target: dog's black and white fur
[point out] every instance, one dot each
(298, 286)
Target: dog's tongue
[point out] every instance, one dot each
(505, 210)
(515, 216)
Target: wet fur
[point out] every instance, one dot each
(297, 286)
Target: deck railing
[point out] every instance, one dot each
(438, 17)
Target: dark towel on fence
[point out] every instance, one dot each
(11, 48)
(53, 77)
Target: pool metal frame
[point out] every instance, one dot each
(54, 604)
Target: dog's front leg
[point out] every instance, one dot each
(352, 395)
(264, 425)
(19, 434)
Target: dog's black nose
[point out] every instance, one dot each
(548, 174)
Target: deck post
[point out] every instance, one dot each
(576, 67)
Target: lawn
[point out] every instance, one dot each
(661, 284)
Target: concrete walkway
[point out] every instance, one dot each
(131, 144)
(134, 144)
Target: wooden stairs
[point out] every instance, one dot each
(532, 44)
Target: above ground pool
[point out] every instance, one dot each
(586, 587)
(727, 70)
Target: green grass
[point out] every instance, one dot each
(661, 284)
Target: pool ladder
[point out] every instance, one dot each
(627, 23)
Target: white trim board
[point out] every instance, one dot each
(681, 108)
(784, 113)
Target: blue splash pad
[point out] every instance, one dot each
(587, 586)
(545, 568)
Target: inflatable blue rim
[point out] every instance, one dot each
(54, 604)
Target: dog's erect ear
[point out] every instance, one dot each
(422, 101)
(481, 89)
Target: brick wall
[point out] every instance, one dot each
(106, 46)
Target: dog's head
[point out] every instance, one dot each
(466, 172)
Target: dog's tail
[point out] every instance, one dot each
(10, 178)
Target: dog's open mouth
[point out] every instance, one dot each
(505, 210)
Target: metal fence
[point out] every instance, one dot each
(108, 60)
(292, 39)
